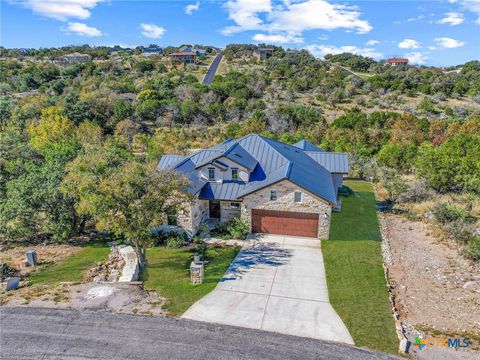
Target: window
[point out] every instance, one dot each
(273, 195)
(235, 206)
(298, 196)
(211, 173)
(234, 174)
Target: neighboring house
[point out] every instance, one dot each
(397, 61)
(189, 49)
(276, 188)
(185, 57)
(76, 58)
(152, 51)
(265, 53)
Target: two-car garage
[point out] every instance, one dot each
(285, 222)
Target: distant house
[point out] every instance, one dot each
(76, 58)
(189, 49)
(152, 51)
(265, 53)
(397, 61)
(185, 57)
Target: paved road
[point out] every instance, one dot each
(277, 285)
(34, 333)
(208, 78)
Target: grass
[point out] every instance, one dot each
(73, 267)
(355, 277)
(168, 272)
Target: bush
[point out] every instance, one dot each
(200, 247)
(238, 229)
(169, 236)
(176, 241)
(418, 191)
(459, 230)
(445, 213)
(235, 229)
(473, 248)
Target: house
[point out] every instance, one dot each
(265, 53)
(274, 187)
(189, 49)
(76, 58)
(152, 51)
(185, 57)
(397, 61)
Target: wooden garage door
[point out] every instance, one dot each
(285, 223)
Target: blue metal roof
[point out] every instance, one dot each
(169, 161)
(271, 162)
(336, 163)
(307, 146)
(227, 190)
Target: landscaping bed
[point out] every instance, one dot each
(355, 276)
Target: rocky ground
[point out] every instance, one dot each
(436, 290)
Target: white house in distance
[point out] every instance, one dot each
(274, 187)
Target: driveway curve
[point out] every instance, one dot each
(277, 283)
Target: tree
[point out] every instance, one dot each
(128, 199)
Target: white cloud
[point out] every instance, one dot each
(277, 38)
(189, 9)
(245, 14)
(408, 44)
(469, 5)
(413, 19)
(449, 43)
(322, 50)
(152, 31)
(293, 16)
(61, 9)
(82, 30)
(372, 42)
(452, 19)
(417, 58)
(432, 48)
(323, 37)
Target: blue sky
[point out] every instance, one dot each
(427, 32)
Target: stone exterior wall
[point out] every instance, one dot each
(228, 213)
(193, 215)
(286, 202)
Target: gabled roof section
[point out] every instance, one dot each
(233, 151)
(336, 163)
(307, 146)
(169, 161)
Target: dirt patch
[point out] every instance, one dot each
(46, 254)
(435, 287)
(114, 297)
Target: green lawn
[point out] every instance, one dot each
(73, 267)
(168, 272)
(355, 277)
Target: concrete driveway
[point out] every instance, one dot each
(276, 283)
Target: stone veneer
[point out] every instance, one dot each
(228, 213)
(193, 215)
(286, 202)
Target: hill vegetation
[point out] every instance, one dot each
(397, 123)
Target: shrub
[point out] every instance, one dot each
(445, 213)
(235, 229)
(418, 191)
(200, 247)
(238, 229)
(176, 241)
(459, 230)
(473, 248)
(169, 236)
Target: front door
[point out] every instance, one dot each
(215, 209)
